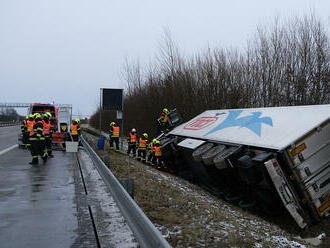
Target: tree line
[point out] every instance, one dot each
(9, 115)
(284, 64)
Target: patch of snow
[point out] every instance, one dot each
(313, 241)
(284, 242)
(117, 234)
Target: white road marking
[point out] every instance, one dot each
(8, 149)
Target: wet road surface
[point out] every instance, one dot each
(8, 136)
(37, 203)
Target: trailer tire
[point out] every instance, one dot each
(210, 155)
(220, 159)
(198, 153)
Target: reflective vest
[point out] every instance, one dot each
(47, 127)
(143, 143)
(132, 138)
(115, 132)
(38, 130)
(151, 147)
(24, 126)
(158, 151)
(30, 125)
(164, 118)
(74, 129)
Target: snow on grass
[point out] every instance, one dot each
(115, 231)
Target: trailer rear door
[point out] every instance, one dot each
(311, 159)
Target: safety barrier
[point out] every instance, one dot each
(145, 232)
(7, 124)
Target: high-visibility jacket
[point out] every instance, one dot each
(47, 127)
(132, 138)
(37, 131)
(151, 147)
(74, 129)
(158, 151)
(24, 126)
(115, 132)
(163, 118)
(143, 144)
(30, 125)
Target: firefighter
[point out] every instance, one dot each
(132, 139)
(79, 131)
(48, 133)
(37, 140)
(78, 122)
(114, 136)
(29, 130)
(25, 134)
(163, 121)
(158, 156)
(74, 130)
(151, 152)
(142, 151)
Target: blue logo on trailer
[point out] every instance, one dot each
(252, 122)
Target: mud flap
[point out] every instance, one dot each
(288, 198)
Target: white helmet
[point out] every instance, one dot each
(133, 130)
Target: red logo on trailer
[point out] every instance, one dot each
(200, 123)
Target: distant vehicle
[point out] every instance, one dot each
(60, 120)
(261, 158)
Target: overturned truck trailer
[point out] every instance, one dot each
(263, 158)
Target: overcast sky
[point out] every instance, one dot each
(66, 50)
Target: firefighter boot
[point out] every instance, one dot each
(44, 157)
(50, 154)
(34, 160)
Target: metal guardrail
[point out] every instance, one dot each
(7, 124)
(145, 232)
(27, 105)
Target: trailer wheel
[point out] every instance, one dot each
(197, 154)
(209, 155)
(219, 160)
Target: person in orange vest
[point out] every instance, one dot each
(163, 124)
(48, 133)
(37, 140)
(132, 139)
(151, 154)
(158, 156)
(114, 136)
(74, 130)
(142, 151)
(25, 134)
(29, 130)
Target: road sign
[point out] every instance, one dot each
(112, 99)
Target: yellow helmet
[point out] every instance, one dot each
(145, 135)
(154, 141)
(77, 120)
(165, 110)
(48, 114)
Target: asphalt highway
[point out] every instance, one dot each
(8, 136)
(38, 206)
